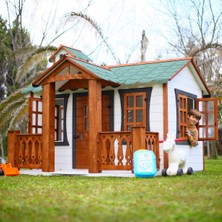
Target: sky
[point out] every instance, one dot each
(121, 22)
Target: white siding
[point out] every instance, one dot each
(117, 111)
(63, 154)
(183, 81)
(186, 82)
(156, 110)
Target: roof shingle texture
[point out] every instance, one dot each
(159, 72)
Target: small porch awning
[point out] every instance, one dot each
(72, 73)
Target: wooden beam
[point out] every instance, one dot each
(30, 113)
(48, 122)
(165, 120)
(95, 123)
(138, 137)
(12, 146)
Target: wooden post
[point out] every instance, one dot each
(12, 146)
(48, 125)
(30, 113)
(165, 121)
(95, 123)
(138, 137)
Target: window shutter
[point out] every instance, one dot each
(35, 115)
(182, 118)
(208, 125)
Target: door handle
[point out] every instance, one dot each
(76, 136)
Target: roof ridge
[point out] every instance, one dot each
(91, 63)
(150, 62)
(72, 48)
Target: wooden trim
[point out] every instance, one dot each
(148, 91)
(95, 122)
(165, 120)
(182, 107)
(208, 112)
(65, 141)
(12, 145)
(182, 94)
(138, 138)
(30, 113)
(48, 125)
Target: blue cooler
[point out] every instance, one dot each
(144, 163)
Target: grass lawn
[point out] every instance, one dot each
(77, 198)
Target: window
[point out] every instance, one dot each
(208, 125)
(185, 101)
(60, 119)
(135, 110)
(35, 118)
(35, 115)
(135, 107)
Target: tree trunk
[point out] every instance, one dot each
(1, 147)
(214, 154)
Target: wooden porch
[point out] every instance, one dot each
(114, 149)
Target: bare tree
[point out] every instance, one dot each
(199, 35)
(144, 43)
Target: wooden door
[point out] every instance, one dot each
(81, 134)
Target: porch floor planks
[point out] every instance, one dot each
(80, 172)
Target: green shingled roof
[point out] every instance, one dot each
(30, 88)
(159, 72)
(78, 53)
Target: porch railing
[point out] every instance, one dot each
(25, 150)
(115, 149)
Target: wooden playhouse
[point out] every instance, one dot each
(87, 116)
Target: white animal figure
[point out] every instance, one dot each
(176, 157)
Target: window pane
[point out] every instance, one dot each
(210, 119)
(130, 102)
(211, 132)
(59, 117)
(130, 116)
(139, 115)
(190, 104)
(34, 119)
(34, 107)
(211, 112)
(39, 130)
(203, 120)
(202, 132)
(139, 101)
(129, 128)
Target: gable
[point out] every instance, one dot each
(66, 71)
(65, 50)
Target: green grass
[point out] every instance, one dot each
(76, 198)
